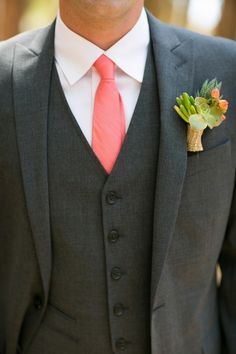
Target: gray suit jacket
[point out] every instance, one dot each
(195, 205)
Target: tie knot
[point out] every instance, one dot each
(105, 67)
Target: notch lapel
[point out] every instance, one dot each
(31, 82)
(175, 70)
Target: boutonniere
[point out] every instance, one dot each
(207, 109)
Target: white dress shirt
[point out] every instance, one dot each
(75, 56)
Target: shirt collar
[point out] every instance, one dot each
(76, 55)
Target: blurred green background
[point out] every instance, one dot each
(214, 17)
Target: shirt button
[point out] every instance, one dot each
(38, 302)
(113, 236)
(111, 198)
(121, 344)
(116, 273)
(119, 310)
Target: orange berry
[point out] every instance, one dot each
(215, 93)
(223, 104)
(223, 117)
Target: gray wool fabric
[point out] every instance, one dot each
(188, 218)
(89, 308)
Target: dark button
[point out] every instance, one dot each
(111, 198)
(113, 236)
(38, 302)
(116, 273)
(119, 310)
(121, 344)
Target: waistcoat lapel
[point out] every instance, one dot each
(174, 65)
(31, 82)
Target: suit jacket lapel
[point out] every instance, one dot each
(31, 82)
(174, 65)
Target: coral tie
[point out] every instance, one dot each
(108, 116)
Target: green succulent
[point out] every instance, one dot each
(202, 111)
(186, 106)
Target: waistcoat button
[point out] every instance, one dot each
(38, 302)
(113, 236)
(121, 344)
(111, 198)
(119, 310)
(116, 273)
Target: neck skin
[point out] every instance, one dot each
(99, 24)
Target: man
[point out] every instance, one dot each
(110, 230)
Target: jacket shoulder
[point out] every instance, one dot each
(24, 38)
(203, 44)
(202, 41)
(7, 47)
(208, 47)
(29, 40)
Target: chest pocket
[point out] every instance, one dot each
(209, 181)
(213, 158)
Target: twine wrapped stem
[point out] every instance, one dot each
(194, 139)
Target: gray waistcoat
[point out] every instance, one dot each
(101, 232)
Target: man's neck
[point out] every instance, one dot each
(103, 32)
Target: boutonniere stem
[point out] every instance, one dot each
(194, 139)
(207, 109)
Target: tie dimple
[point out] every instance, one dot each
(105, 67)
(108, 116)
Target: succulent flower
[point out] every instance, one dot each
(207, 109)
